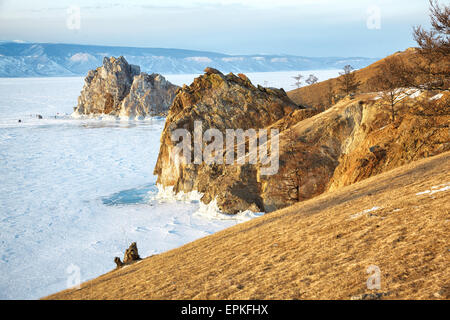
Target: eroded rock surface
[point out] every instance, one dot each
(120, 89)
(221, 102)
(131, 255)
(319, 152)
(150, 95)
(351, 141)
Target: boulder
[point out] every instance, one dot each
(131, 256)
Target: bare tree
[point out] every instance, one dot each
(389, 80)
(311, 79)
(432, 65)
(298, 80)
(347, 81)
(290, 172)
(330, 95)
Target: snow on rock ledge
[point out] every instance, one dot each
(210, 211)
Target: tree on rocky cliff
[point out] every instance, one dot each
(389, 80)
(298, 80)
(311, 79)
(290, 172)
(330, 96)
(431, 67)
(347, 81)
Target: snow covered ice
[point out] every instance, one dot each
(280, 79)
(77, 192)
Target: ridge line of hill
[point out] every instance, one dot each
(317, 249)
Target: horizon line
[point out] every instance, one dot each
(24, 42)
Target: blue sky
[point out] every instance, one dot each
(298, 27)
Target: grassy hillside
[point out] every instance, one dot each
(317, 249)
(316, 95)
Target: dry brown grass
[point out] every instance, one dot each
(312, 250)
(315, 95)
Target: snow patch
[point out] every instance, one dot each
(437, 97)
(279, 60)
(364, 212)
(415, 93)
(407, 93)
(435, 189)
(81, 57)
(232, 59)
(210, 211)
(168, 195)
(112, 118)
(199, 59)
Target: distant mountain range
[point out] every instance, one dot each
(49, 59)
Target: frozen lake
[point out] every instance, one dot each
(76, 193)
(281, 79)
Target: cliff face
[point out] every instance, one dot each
(221, 102)
(119, 89)
(421, 130)
(149, 95)
(353, 140)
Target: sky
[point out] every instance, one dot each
(316, 28)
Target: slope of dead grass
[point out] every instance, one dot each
(317, 249)
(316, 95)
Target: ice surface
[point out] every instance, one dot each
(281, 79)
(79, 191)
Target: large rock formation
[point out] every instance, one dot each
(120, 89)
(221, 102)
(149, 95)
(353, 140)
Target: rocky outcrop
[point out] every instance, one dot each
(319, 152)
(221, 102)
(150, 95)
(380, 145)
(131, 255)
(106, 87)
(350, 142)
(120, 89)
